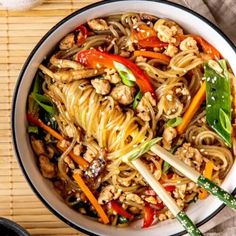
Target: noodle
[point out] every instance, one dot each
(100, 122)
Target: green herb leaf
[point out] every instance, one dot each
(125, 73)
(137, 99)
(140, 150)
(122, 220)
(166, 167)
(225, 121)
(45, 102)
(174, 122)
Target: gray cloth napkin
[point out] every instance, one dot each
(223, 14)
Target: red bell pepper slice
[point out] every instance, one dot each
(95, 59)
(82, 34)
(149, 214)
(120, 210)
(152, 42)
(169, 188)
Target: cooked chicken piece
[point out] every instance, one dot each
(151, 200)
(96, 167)
(38, 146)
(67, 76)
(142, 109)
(179, 191)
(101, 86)
(191, 156)
(167, 30)
(112, 76)
(78, 148)
(89, 155)
(188, 44)
(47, 168)
(168, 135)
(109, 193)
(123, 94)
(98, 24)
(69, 162)
(134, 198)
(67, 42)
(64, 63)
(171, 50)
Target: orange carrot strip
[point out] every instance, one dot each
(155, 55)
(39, 123)
(91, 198)
(208, 174)
(192, 109)
(77, 159)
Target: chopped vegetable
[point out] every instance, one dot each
(125, 74)
(94, 59)
(174, 122)
(165, 167)
(45, 102)
(91, 198)
(32, 105)
(147, 37)
(140, 150)
(155, 55)
(218, 108)
(152, 42)
(77, 159)
(56, 135)
(82, 34)
(170, 188)
(192, 109)
(207, 47)
(208, 174)
(122, 220)
(33, 129)
(120, 210)
(137, 99)
(149, 214)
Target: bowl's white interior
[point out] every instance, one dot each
(191, 23)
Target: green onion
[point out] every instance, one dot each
(174, 122)
(33, 129)
(126, 74)
(166, 166)
(137, 99)
(140, 150)
(225, 121)
(45, 102)
(122, 220)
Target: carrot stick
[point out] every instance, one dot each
(155, 55)
(208, 174)
(91, 198)
(78, 159)
(192, 109)
(39, 123)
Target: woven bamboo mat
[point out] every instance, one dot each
(19, 32)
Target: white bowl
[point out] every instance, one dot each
(200, 212)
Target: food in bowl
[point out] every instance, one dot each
(115, 82)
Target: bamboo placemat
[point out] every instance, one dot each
(19, 32)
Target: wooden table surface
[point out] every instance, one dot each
(19, 33)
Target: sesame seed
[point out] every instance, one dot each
(213, 98)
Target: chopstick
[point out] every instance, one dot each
(195, 176)
(166, 198)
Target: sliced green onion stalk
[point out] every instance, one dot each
(45, 102)
(137, 99)
(33, 129)
(174, 122)
(140, 150)
(166, 166)
(218, 101)
(125, 73)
